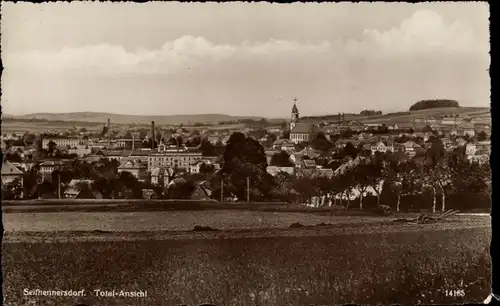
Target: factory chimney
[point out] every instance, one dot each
(109, 134)
(152, 135)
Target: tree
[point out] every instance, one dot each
(362, 174)
(286, 134)
(438, 103)
(283, 188)
(12, 190)
(207, 169)
(207, 149)
(51, 147)
(407, 180)
(321, 143)
(14, 157)
(350, 150)
(481, 136)
(281, 159)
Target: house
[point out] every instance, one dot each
(401, 126)
(307, 163)
(355, 125)
(479, 156)
(136, 167)
(48, 166)
(10, 173)
(411, 148)
(372, 126)
(304, 132)
(195, 167)
(274, 170)
(464, 129)
(383, 146)
(482, 127)
(149, 194)
(341, 143)
(363, 136)
(284, 145)
(202, 192)
(310, 152)
(482, 146)
(76, 190)
(350, 164)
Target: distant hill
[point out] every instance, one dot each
(132, 119)
(477, 112)
(473, 112)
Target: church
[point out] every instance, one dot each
(301, 131)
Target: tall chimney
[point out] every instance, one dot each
(133, 141)
(152, 135)
(109, 134)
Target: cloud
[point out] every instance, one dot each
(425, 32)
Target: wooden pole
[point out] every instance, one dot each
(248, 189)
(222, 190)
(59, 185)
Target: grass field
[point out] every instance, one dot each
(362, 267)
(250, 258)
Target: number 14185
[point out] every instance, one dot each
(455, 293)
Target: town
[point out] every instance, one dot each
(322, 163)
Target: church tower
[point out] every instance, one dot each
(295, 114)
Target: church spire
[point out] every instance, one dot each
(295, 110)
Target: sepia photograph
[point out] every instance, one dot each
(246, 153)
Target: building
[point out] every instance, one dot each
(10, 173)
(173, 157)
(202, 192)
(383, 146)
(76, 190)
(48, 166)
(464, 129)
(274, 170)
(355, 125)
(301, 131)
(62, 142)
(136, 167)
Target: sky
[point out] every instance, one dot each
(246, 59)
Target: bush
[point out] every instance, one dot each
(383, 210)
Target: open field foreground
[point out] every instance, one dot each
(405, 267)
(377, 261)
(186, 220)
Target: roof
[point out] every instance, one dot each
(139, 153)
(309, 163)
(132, 164)
(9, 169)
(115, 153)
(280, 142)
(309, 151)
(75, 182)
(274, 170)
(295, 110)
(271, 153)
(305, 128)
(466, 126)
